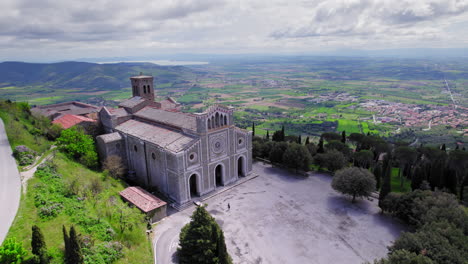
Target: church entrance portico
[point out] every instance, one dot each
(219, 175)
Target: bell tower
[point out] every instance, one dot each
(143, 86)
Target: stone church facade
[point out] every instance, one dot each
(179, 154)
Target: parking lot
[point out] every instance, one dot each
(279, 217)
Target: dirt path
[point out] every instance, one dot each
(31, 169)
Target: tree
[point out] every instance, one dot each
(338, 145)
(312, 148)
(276, 153)
(458, 161)
(320, 146)
(78, 145)
(378, 176)
(307, 141)
(257, 149)
(253, 129)
(202, 241)
(343, 137)
(403, 256)
(283, 134)
(38, 245)
(331, 136)
(114, 165)
(268, 135)
(12, 252)
(299, 140)
(277, 136)
(386, 180)
(418, 178)
(297, 157)
(406, 156)
(73, 254)
(354, 181)
(363, 158)
(333, 160)
(442, 242)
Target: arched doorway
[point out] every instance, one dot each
(193, 186)
(219, 175)
(240, 167)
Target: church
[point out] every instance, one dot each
(181, 155)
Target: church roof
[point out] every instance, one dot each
(177, 119)
(168, 139)
(142, 199)
(110, 137)
(132, 102)
(120, 112)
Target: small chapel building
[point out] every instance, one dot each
(181, 155)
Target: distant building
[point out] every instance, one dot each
(180, 155)
(67, 121)
(55, 111)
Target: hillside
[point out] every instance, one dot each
(41, 83)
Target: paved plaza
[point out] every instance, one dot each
(279, 217)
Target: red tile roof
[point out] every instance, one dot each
(68, 120)
(142, 199)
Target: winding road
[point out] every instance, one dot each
(10, 185)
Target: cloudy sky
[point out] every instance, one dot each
(46, 30)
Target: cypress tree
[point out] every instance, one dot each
(299, 140)
(443, 147)
(417, 179)
(253, 129)
(343, 136)
(320, 146)
(386, 180)
(307, 142)
(283, 135)
(268, 135)
(221, 249)
(38, 245)
(378, 176)
(66, 241)
(202, 241)
(73, 254)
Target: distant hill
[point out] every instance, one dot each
(86, 76)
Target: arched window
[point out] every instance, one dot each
(217, 119)
(212, 122)
(222, 120)
(209, 123)
(144, 89)
(225, 120)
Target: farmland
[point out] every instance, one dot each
(401, 99)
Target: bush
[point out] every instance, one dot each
(12, 252)
(404, 257)
(442, 242)
(79, 146)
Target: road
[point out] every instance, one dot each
(10, 185)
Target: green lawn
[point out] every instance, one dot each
(92, 213)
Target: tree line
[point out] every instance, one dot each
(433, 167)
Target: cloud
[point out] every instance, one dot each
(370, 17)
(123, 28)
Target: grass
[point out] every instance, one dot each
(137, 248)
(396, 182)
(21, 127)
